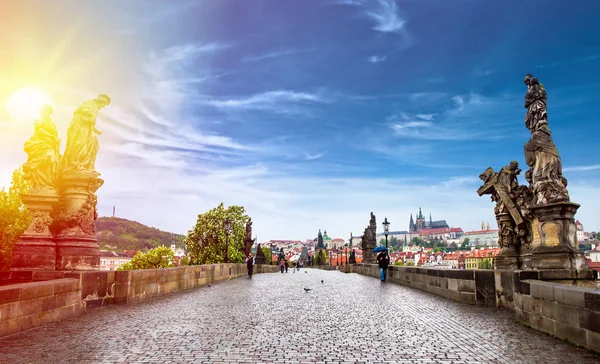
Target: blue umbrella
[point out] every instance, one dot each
(380, 249)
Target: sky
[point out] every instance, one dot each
(311, 114)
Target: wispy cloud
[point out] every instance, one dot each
(376, 59)
(386, 16)
(314, 156)
(277, 54)
(591, 167)
(425, 116)
(280, 101)
(576, 60)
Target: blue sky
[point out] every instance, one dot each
(311, 114)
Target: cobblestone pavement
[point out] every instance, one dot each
(270, 318)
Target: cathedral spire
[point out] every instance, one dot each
(411, 223)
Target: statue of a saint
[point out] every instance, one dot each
(82, 142)
(249, 229)
(42, 153)
(541, 154)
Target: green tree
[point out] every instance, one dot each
(14, 217)
(382, 241)
(399, 262)
(465, 244)
(418, 241)
(410, 263)
(184, 261)
(206, 242)
(267, 253)
(161, 257)
(323, 254)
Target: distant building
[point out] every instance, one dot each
(420, 224)
(112, 260)
(580, 233)
(482, 237)
(481, 258)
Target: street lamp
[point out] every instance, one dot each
(227, 228)
(386, 230)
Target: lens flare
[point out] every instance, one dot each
(24, 104)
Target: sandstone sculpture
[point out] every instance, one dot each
(369, 241)
(62, 200)
(536, 222)
(43, 154)
(82, 142)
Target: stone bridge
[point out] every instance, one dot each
(271, 318)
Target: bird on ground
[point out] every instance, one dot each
(321, 281)
(307, 289)
(209, 285)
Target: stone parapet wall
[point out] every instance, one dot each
(467, 286)
(33, 298)
(567, 312)
(27, 305)
(139, 285)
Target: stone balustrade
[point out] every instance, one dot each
(567, 312)
(33, 298)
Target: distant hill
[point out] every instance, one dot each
(114, 233)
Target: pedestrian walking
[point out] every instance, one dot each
(383, 259)
(250, 264)
(286, 265)
(281, 265)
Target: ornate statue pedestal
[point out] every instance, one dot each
(368, 255)
(554, 244)
(36, 249)
(76, 243)
(508, 258)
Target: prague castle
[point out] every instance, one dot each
(422, 224)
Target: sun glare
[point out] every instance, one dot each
(24, 104)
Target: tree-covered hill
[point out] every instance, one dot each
(121, 234)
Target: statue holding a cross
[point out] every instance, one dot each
(511, 205)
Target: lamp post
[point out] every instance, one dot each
(386, 230)
(227, 228)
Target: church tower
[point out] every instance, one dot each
(411, 225)
(420, 221)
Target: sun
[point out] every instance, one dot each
(24, 104)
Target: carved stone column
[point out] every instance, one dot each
(75, 223)
(36, 249)
(554, 244)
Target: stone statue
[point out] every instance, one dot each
(260, 256)
(352, 257)
(369, 240)
(511, 201)
(373, 223)
(249, 229)
(248, 241)
(43, 154)
(82, 142)
(541, 154)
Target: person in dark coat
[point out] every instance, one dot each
(250, 264)
(383, 259)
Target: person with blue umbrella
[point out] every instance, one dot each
(383, 259)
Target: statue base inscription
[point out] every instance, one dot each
(75, 224)
(36, 249)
